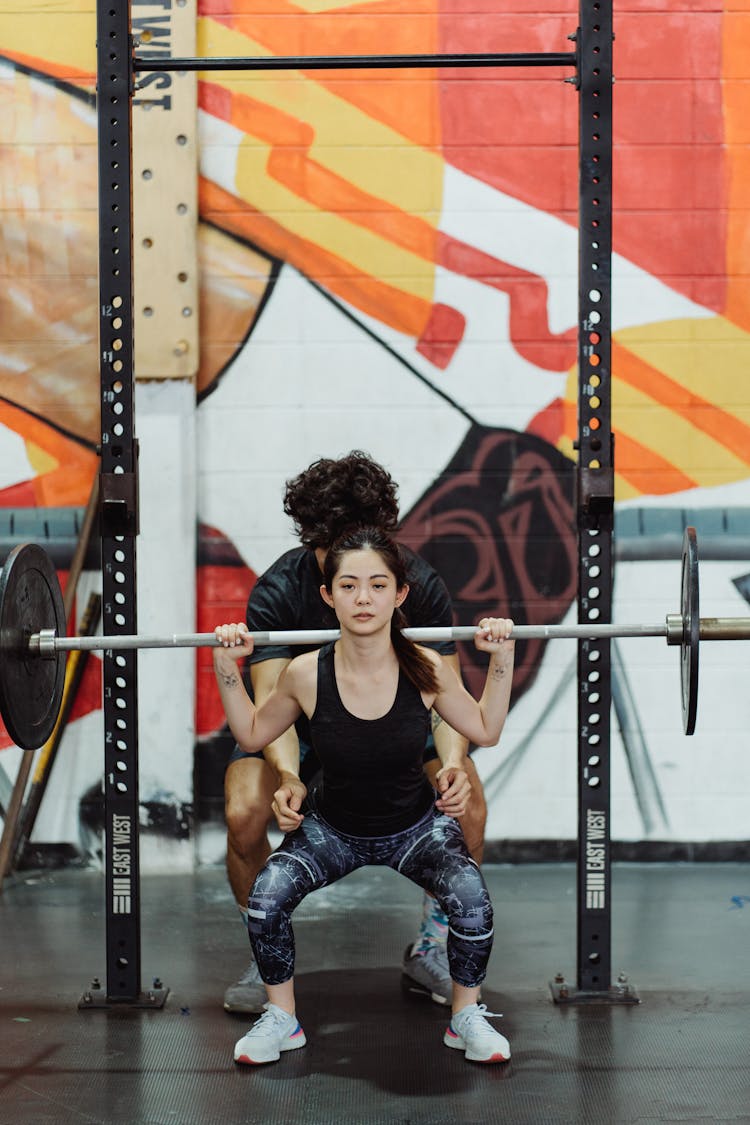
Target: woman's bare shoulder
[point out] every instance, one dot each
(434, 657)
(301, 680)
(301, 668)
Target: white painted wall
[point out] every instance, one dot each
(165, 425)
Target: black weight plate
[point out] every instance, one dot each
(31, 686)
(691, 630)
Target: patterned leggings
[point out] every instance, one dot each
(432, 853)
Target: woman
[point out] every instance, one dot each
(368, 697)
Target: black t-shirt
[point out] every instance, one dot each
(287, 596)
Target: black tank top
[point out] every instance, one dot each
(373, 783)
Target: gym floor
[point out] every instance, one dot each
(681, 933)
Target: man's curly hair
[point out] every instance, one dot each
(334, 496)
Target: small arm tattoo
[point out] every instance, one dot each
(229, 679)
(436, 721)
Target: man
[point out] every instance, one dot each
(328, 498)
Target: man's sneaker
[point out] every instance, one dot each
(274, 1032)
(470, 1032)
(247, 995)
(426, 972)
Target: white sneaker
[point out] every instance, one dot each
(470, 1032)
(247, 995)
(274, 1032)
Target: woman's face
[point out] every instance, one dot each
(364, 593)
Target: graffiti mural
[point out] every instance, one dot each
(388, 261)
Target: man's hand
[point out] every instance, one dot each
(287, 801)
(454, 788)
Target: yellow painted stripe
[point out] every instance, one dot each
(40, 460)
(64, 38)
(677, 441)
(565, 445)
(350, 143)
(708, 357)
(48, 8)
(366, 251)
(624, 488)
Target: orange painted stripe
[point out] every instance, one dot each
(568, 421)
(703, 415)
(70, 483)
(351, 30)
(330, 192)
(403, 311)
(400, 99)
(290, 164)
(46, 69)
(549, 423)
(645, 470)
(231, 8)
(254, 117)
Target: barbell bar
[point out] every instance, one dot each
(33, 642)
(45, 643)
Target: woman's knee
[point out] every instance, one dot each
(467, 903)
(473, 921)
(273, 896)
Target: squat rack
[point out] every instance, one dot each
(117, 66)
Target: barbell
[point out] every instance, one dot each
(33, 643)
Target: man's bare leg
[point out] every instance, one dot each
(249, 785)
(474, 820)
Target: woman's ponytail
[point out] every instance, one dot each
(414, 664)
